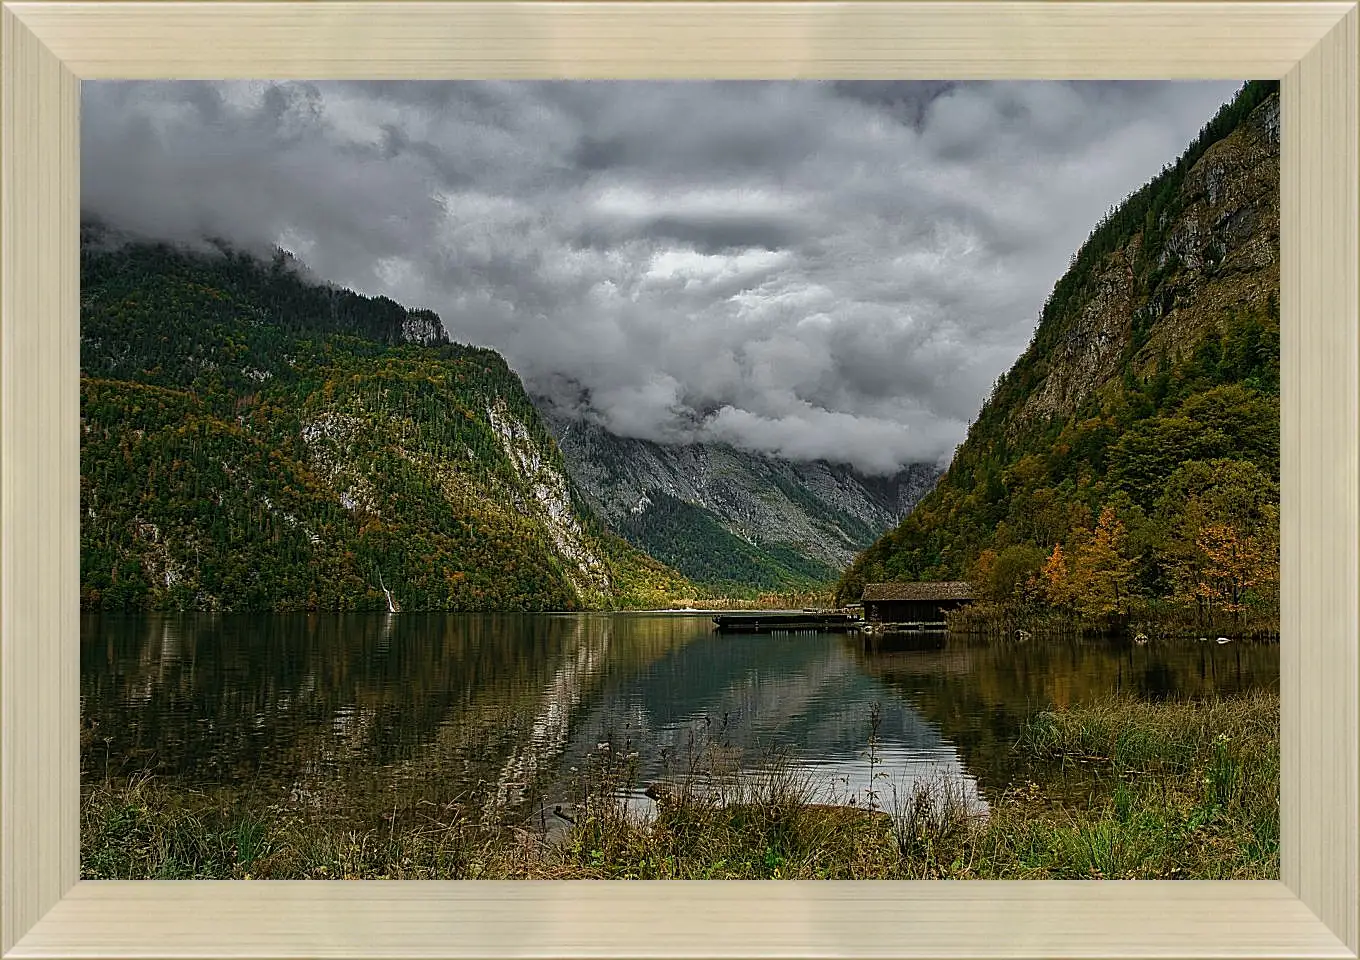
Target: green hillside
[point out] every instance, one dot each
(693, 541)
(255, 441)
(1129, 460)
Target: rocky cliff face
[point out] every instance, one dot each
(423, 327)
(1218, 254)
(549, 501)
(823, 512)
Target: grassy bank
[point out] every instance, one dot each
(1116, 789)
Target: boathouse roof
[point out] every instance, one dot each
(943, 590)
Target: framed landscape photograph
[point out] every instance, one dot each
(453, 443)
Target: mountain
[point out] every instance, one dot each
(253, 440)
(729, 517)
(1132, 453)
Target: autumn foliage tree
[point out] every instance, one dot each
(1102, 577)
(1221, 530)
(1056, 579)
(1235, 564)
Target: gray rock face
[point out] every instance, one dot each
(1218, 254)
(423, 327)
(827, 512)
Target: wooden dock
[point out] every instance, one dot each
(785, 622)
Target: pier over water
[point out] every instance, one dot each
(785, 621)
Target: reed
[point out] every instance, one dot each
(1114, 789)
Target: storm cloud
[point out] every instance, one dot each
(814, 270)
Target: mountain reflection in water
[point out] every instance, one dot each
(283, 708)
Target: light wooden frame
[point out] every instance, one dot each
(1314, 911)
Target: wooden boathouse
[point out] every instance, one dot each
(914, 605)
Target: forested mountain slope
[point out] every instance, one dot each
(1131, 455)
(252, 440)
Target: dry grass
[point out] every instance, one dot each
(1116, 789)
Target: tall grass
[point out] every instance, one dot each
(1115, 789)
(1158, 621)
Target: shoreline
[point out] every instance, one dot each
(1118, 788)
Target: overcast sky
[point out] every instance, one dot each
(809, 269)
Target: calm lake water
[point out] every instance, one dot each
(278, 709)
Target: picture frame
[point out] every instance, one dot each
(49, 46)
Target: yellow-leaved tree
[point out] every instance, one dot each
(1102, 577)
(1235, 563)
(1222, 532)
(1055, 579)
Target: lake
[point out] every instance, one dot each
(510, 710)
